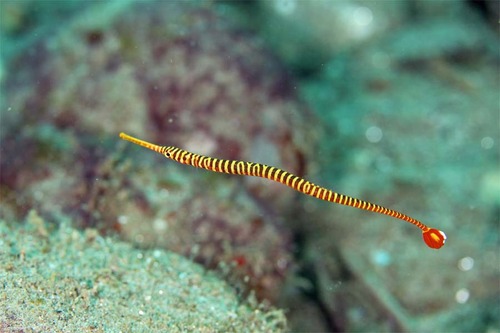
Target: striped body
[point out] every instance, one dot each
(434, 238)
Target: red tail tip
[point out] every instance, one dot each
(434, 238)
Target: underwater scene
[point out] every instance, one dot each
(249, 166)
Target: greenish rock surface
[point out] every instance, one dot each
(64, 280)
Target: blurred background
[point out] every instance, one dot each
(394, 102)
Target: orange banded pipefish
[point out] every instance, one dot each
(434, 238)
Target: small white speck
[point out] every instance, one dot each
(363, 16)
(462, 296)
(141, 313)
(147, 298)
(157, 253)
(487, 142)
(160, 292)
(466, 264)
(123, 219)
(358, 19)
(381, 258)
(374, 134)
(140, 256)
(285, 7)
(160, 225)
